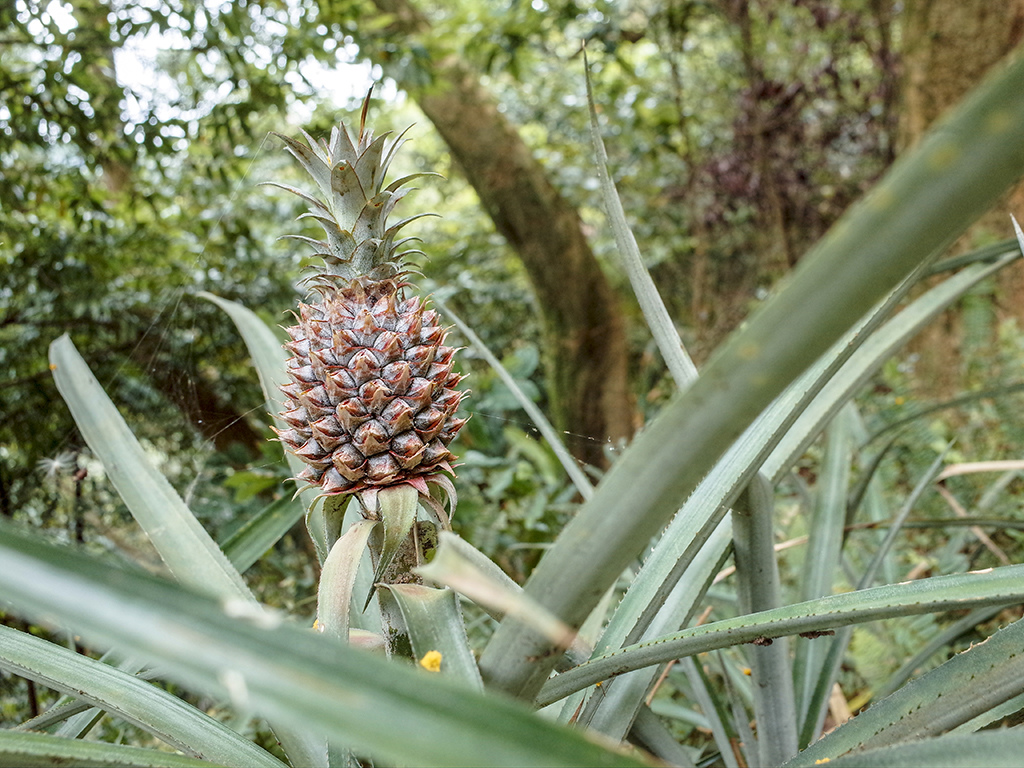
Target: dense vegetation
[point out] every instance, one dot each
(132, 140)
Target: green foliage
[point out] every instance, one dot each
(110, 241)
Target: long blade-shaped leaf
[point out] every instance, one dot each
(286, 674)
(970, 683)
(458, 565)
(184, 545)
(942, 639)
(1003, 585)
(991, 749)
(165, 716)
(397, 509)
(187, 549)
(41, 750)
(710, 706)
(824, 549)
(759, 589)
(338, 579)
(924, 202)
(679, 363)
(818, 706)
(268, 357)
(435, 624)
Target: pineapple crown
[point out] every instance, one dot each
(355, 204)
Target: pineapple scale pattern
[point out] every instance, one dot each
(372, 397)
(371, 400)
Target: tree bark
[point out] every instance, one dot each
(584, 329)
(948, 47)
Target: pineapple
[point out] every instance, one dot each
(372, 399)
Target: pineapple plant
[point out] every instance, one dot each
(372, 399)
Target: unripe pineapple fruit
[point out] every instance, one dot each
(372, 397)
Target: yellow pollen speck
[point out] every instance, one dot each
(747, 671)
(899, 400)
(823, 760)
(316, 626)
(53, 366)
(431, 661)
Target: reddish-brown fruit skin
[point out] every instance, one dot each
(372, 397)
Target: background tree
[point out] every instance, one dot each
(116, 206)
(947, 49)
(739, 130)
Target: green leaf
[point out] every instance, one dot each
(285, 674)
(459, 565)
(942, 639)
(337, 579)
(1008, 709)
(829, 673)
(435, 623)
(167, 717)
(325, 520)
(967, 685)
(185, 546)
(758, 588)
(397, 507)
(41, 750)
(999, 749)
(663, 329)
(1003, 585)
(823, 551)
(261, 532)
(928, 198)
(59, 712)
(705, 697)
